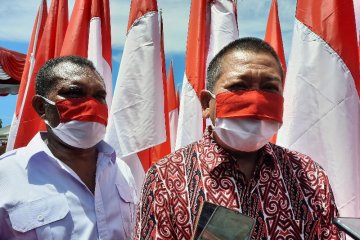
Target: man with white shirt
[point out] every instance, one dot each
(67, 182)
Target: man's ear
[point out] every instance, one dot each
(205, 97)
(39, 106)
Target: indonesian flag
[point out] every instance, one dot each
(47, 47)
(212, 25)
(321, 112)
(137, 119)
(154, 154)
(173, 107)
(89, 35)
(273, 33)
(273, 37)
(28, 69)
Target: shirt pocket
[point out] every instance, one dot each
(127, 208)
(37, 216)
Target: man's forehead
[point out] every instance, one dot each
(68, 72)
(246, 58)
(246, 55)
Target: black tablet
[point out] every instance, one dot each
(350, 226)
(216, 222)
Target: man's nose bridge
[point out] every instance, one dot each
(256, 76)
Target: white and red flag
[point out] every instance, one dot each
(27, 73)
(273, 33)
(89, 35)
(47, 47)
(137, 119)
(212, 25)
(273, 37)
(173, 108)
(321, 112)
(153, 154)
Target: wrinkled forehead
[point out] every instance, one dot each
(251, 58)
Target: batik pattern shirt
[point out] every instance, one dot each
(289, 194)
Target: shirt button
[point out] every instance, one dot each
(40, 218)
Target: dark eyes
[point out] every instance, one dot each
(73, 92)
(238, 87)
(78, 92)
(270, 88)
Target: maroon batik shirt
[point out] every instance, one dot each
(289, 194)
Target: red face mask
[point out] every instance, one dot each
(85, 109)
(253, 104)
(82, 121)
(246, 120)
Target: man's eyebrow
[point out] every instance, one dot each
(271, 77)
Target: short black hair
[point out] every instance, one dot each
(250, 44)
(47, 77)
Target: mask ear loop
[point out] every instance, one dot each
(211, 94)
(208, 121)
(48, 101)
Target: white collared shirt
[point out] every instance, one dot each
(42, 198)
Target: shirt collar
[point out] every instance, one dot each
(266, 155)
(38, 145)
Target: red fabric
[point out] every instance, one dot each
(102, 9)
(25, 131)
(273, 34)
(334, 22)
(196, 46)
(12, 63)
(250, 104)
(76, 40)
(289, 195)
(49, 44)
(61, 26)
(82, 109)
(139, 8)
(178, 99)
(33, 46)
(172, 96)
(273, 37)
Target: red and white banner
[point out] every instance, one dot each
(137, 113)
(28, 122)
(28, 69)
(273, 33)
(212, 25)
(321, 112)
(89, 35)
(173, 107)
(273, 37)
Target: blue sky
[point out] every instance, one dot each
(17, 18)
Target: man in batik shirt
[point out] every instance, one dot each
(234, 165)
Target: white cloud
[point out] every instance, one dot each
(252, 19)
(175, 17)
(17, 18)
